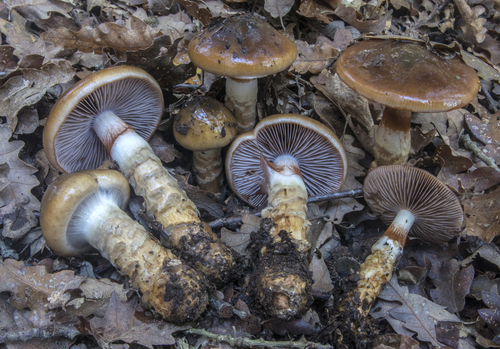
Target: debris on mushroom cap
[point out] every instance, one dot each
(437, 211)
(242, 47)
(129, 92)
(203, 124)
(72, 189)
(319, 153)
(405, 75)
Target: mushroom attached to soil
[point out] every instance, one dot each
(204, 126)
(113, 111)
(83, 210)
(412, 202)
(283, 160)
(242, 48)
(405, 77)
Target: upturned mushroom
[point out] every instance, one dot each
(114, 111)
(283, 160)
(83, 210)
(204, 126)
(242, 48)
(413, 203)
(405, 77)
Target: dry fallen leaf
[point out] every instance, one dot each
(314, 58)
(452, 284)
(278, 8)
(410, 313)
(29, 87)
(120, 323)
(346, 98)
(134, 36)
(39, 9)
(483, 215)
(492, 315)
(17, 204)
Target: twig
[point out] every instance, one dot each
(247, 342)
(224, 309)
(494, 104)
(234, 222)
(42, 333)
(470, 145)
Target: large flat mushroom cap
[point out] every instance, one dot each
(405, 75)
(242, 47)
(129, 92)
(320, 155)
(61, 202)
(437, 211)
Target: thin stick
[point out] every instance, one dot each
(234, 222)
(469, 144)
(240, 342)
(42, 333)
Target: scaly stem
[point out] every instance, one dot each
(174, 290)
(208, 169)
(378, 267)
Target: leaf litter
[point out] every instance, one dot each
(451, 300)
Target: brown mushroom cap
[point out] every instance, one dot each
(203, 124)
(61, 201)
(132, 94)
(405, 75)
(242, 47)
(320, 155)
(437, 211)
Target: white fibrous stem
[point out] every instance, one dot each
(378, 267)
(169, 204)
(392, 137)
(241, 99)
(165, 200)
(208, 169)
(287, 199)
(152, 269)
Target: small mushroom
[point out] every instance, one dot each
(204, 126)
(414, 203)
(113, 111)
(84, 210)
(280, 163)
(405, 77)
(242, 48)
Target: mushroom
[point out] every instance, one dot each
(204, 126)
(242, 48)
(84, 210)
(283, 160)
(405, 77)
(113, 111)
(414, 203)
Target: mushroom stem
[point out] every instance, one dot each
(392, 137)
(155, 271)
(283, 283)
(241, 99)
(167, 202)
(208, 169)
(377, 268)
(287, 199)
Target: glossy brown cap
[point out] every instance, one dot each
(242, 47)
(320, 154)
(405, 75)
(132, 94)
(203, 124)
(437, 211)
(62, 200)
